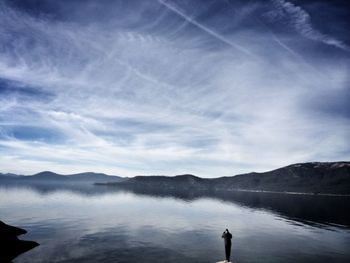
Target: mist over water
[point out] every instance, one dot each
(101, 224)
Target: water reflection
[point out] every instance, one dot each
(307, 209)
(75, 223)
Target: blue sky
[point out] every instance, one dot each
(213, 88)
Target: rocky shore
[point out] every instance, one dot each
(10, 245)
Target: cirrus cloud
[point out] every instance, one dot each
(149, 92)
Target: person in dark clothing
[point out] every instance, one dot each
(227, 238)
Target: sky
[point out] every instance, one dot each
(147, 87)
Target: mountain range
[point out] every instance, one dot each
(312, 177)
(47, 176)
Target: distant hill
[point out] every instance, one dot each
(48, 176)
(94, 177)
(9, 175)
(315, 178)
(186, 181)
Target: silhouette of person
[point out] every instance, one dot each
(227, 238)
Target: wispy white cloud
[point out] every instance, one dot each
(300, 20)
(205, 28)
(132, 101)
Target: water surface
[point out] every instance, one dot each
(101, 224)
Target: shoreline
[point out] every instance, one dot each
(236, 190)
(290, 193)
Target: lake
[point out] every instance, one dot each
(105, 224)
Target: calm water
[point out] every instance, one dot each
(99, 224)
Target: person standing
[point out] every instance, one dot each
(227, 238)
